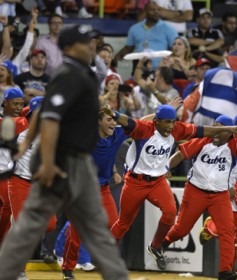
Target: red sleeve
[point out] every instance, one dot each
(25, 110)
(191, 148)
(21, 124)
(143, 129)
(184, 131)
(232, 144)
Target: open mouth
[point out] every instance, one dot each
(166, 133)
(216, 139)
(111, 129)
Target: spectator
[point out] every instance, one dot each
(8, 8)
(106, 56)
(6, 46)
(228, 28)
(31, 34)
(151, 33)
(82, 12)
(147, 91)
(164, 83)
(34, 82)
(120, 101)
(206, 41)
(110, 48)
(176, 13)
(202, 65)
(6, 79)
(192, 74)
(17, 44)
(48, 43)
(181, 58)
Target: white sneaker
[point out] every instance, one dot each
(87, 266)
(84, 14)
(59, 11)
(60, 260)
(22, 276)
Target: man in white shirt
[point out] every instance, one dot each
(176, 13)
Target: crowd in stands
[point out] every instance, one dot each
(28, 59)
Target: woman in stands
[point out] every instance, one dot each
(122, 100)
(181, 58)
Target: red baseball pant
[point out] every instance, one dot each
(133, 195)
(5, 209)
(72, 244)
(19, 189)
(194, 203)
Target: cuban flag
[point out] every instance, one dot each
(218, 93)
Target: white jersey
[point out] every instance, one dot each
(212, 168)
(151, 155)
(5, 159)
(176, 5)
(149, 152)
(23, 163)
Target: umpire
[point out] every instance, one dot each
(64, 175)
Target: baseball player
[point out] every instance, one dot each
(110, 139)
(19, 184)
(207, 188)
(13, 103)
(147, 162)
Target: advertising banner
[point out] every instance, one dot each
(184, 255)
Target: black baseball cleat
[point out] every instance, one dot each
(158, 255)
(227, 275)
(68, 275)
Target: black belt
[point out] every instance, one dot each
(206, 191)
(145, 177)
(18, 176)
(105, 185)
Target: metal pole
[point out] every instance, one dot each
(101, 9)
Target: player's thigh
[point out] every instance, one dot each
(162, 196)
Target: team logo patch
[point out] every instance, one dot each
(57, 100)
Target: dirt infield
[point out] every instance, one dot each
(81, 275)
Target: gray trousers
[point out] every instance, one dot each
(80, 198)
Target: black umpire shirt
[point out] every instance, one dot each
(72, 100)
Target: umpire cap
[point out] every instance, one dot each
(76, 34)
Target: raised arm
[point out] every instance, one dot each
(121, 119)
(175, 16)
(30, 136)
(209, 131)
(175, 159)
(7, 46)
(125, 50)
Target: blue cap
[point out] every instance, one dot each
(225, 120)
(34, 104)
(10, 66)
(165, 112)
(13, 92)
